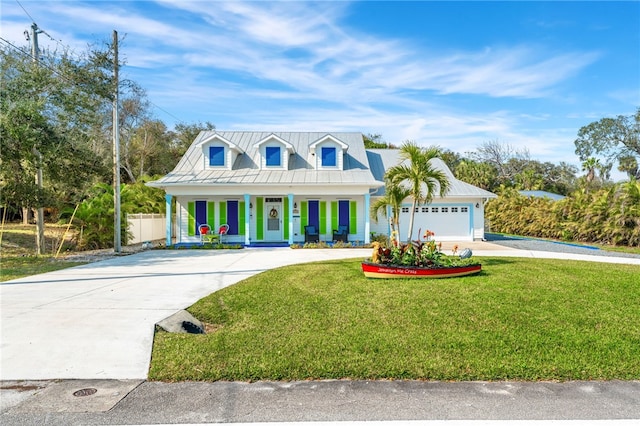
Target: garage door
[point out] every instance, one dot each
(450, 223)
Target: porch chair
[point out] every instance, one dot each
(341, 234)
(222, 231)
(205, 233)
(311, 234)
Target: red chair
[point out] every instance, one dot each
(222, 231)
(204, 230)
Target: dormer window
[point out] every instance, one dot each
(273, 157)
(328, 153)
(216, 156)
(273, 152)
(328, 156)
(218, 152)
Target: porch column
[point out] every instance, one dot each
(367, 218)
(247, 219)
(169, 216)
(290, 214)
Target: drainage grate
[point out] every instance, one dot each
(85, 392)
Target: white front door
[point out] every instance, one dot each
(273, 219)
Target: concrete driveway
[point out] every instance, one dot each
(97, 321)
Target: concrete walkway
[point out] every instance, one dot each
(97, 321)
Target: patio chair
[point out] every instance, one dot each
(341, 234)
(222, 231)
(311, 234)
(204, 230)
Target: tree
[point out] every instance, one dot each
(183, 135)
(393, 197)
(417, 174)
(374, 141)
(46, 111)
(613, 139)
(480, 174)
(504, 158)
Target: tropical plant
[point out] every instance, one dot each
(609, 215)
(95, 215)
(417, 174)
(393, 198)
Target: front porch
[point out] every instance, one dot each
(268, 220)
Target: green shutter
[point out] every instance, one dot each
(191, 218)
(334, 215)
(286, 218)
(241, 221)
(223, 212)
(304, 217)
(259, 218)
(353, 219)
(323, 217)
(211, 214)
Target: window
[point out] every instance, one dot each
(454, 210)
(273, 155)
(464, 209)
(445, 210)
(416, 210)
(425, 210)
(328, 157)
(434, 210)
(405, 210)
(216, 156)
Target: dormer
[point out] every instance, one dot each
(274, 153)
(219, 153)
(327, 153)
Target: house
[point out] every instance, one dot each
(268, 186)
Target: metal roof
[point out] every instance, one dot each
(246, 168)
(360, 166)
(381, 160)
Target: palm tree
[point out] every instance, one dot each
(393, 197)
(418, 176)
(590, 165)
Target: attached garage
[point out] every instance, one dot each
(459, 216)
(449, 222)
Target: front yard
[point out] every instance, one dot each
(520, 319)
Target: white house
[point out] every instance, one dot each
(269, 186)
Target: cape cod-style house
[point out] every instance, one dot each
(269, 187)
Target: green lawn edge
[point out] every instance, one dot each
(519, 319)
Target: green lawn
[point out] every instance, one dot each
(520, 319)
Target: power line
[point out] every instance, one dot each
(66, 78)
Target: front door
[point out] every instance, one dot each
(273, 219)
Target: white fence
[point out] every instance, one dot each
(146, 227)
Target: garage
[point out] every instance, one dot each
(449, 222)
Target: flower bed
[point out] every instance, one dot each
(418, 259)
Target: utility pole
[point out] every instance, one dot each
(40, 244)
(117, 240)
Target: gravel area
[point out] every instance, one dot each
(534, 244)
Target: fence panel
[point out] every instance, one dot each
(146, 227)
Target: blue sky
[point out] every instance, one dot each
(453, 74)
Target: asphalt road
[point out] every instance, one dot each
(338, 401)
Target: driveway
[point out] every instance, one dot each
(97, 321)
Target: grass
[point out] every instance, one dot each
(17, 257)
(520, 319)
